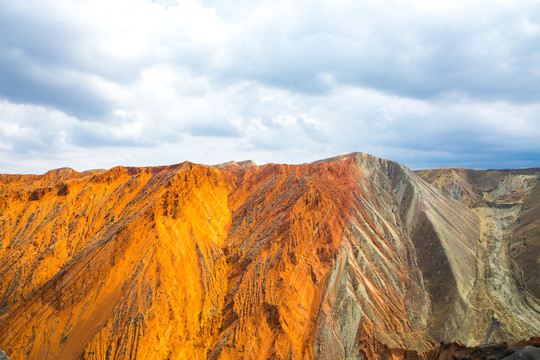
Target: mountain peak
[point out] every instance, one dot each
(347, 257)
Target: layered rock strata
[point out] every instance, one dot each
(350, 257)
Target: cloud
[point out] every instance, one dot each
(100, 83)
(483, 49)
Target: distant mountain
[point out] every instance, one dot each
(352, 257)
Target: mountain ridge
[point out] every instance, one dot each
(339, 258)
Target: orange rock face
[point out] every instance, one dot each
(327, 260)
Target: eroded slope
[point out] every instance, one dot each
(350, 257)
(504, 303)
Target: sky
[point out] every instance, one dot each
(91, 84)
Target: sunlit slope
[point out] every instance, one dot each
(127, 264)
(347, 257)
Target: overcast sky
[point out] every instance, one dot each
(94, 84)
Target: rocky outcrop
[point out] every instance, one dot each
(353, 257)
(528, 350)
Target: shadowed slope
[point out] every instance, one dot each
(507, 203)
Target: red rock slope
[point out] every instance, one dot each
(346, 258)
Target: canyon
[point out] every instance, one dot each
(352, 257)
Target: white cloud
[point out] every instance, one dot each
(280, 81)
